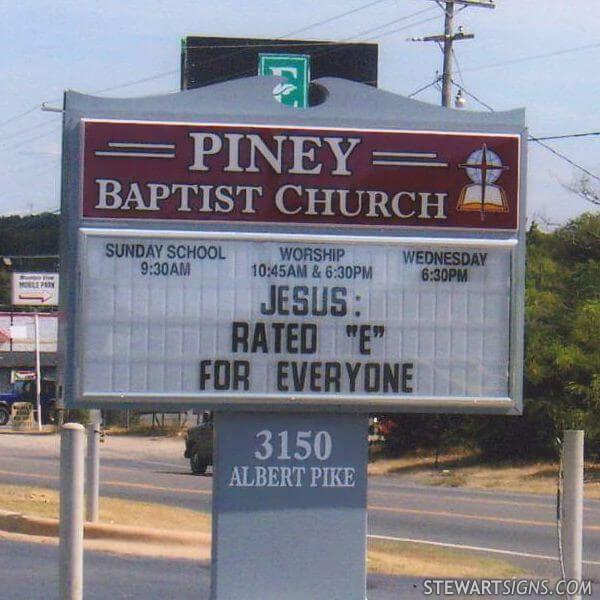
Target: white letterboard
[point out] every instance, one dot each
(230, 317)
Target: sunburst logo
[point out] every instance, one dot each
(484, 167)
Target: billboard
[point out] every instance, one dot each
(206, 60)
(293, 265)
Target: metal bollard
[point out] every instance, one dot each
(71, 512)
(92, 469)
(572, 518)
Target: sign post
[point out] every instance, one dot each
(293, 271)
(38, 372)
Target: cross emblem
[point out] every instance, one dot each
(484, 166)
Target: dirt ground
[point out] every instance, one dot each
(460, 469)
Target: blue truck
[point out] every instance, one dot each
(24, 391)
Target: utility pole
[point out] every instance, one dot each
(447, 39)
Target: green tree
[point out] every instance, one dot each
(562, 356)
(562, 344)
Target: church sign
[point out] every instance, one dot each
(266, 264)
(294, 270)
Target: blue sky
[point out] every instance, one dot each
(91, 45)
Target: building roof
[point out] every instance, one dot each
(26, 359)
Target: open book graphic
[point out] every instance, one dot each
(489, 198)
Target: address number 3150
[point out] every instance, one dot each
(306, 445)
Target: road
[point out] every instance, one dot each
(520, 528)
(29, 571)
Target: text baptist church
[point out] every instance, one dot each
(307, 158)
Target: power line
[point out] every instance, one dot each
(422, 89)
(33, 158)
(532, 57)
(315, 43)
(539, 140)
(335, 44)
(460, 75)
(566, 136)
(30, 168)
(331, 19)
(135, 82)
(329, 44)
(371, 30)
(478, 100)
(50, 172)
(172, 72)
(100, 91)
(565, 158)
(400, 28)
(32, 161)
(25, 130)
(318, 23)
(31, 139)
(20, 115)
(404, 18)
(282, 37)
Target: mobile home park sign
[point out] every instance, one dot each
(276, 262)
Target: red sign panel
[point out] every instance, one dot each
(294, 175)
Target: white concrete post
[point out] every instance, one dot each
(92, 468)
(572, 517)
(71, 512)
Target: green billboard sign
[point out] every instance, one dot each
(295, 68)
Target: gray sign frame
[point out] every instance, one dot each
(343, 108)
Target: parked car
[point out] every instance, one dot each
(25, 391)
(199, 445)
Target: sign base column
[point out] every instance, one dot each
(289, 506)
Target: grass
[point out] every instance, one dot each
(416, 462)
(41, 502)
(422, 560)
(171, 430)
(467, 469)
(385, 557)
